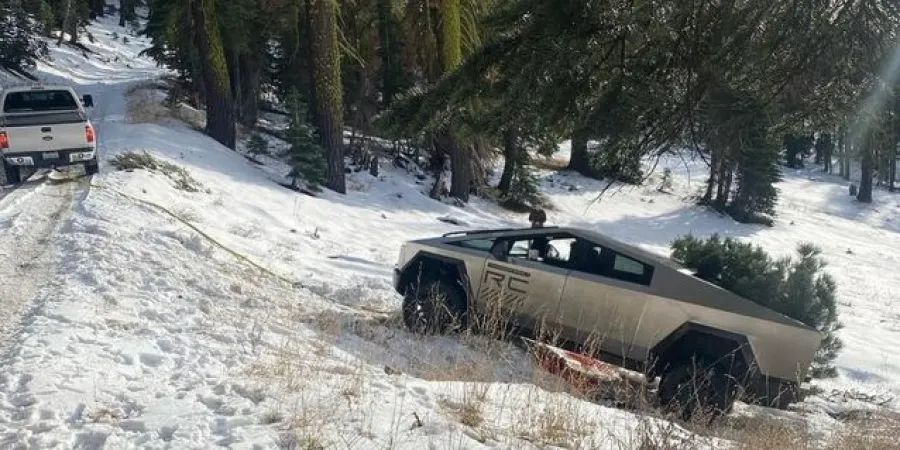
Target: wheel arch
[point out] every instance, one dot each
(724, 348)
(428, 264)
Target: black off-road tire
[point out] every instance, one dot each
(12, 174)
(92, 167)
(690, 389)
(434, 306)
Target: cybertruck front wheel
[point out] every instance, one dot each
(434, 306)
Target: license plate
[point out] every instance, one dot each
(50, 155)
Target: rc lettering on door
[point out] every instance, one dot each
(506, 279)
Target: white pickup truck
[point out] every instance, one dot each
(45, 127)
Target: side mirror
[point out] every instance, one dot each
(88, 101)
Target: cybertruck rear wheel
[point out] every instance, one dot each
(697, 391)
(434, 306)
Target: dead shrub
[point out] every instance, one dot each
(183, 180)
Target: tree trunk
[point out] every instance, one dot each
(827, 152)
(329, 106)
(723, 191)
(865, 181)
(579, 161)
(234, 64)
(893, 177)
(460, 165)
(460, 157)
(713, 182)
(126, 12)
(73, 30)
(251, 70)
(511, 158)
(390, 66)
(845, 157)
(820, 152)
(65, 23)
(219, 109)
(451, 32)
(98, 8)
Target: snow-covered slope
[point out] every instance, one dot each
(246, 315)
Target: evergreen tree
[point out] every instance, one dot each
(524, 189)
(624, 167)
(257, 145)
(127, 14)
(796, 150)
(796, 288)
(20, 47)
(306, 155)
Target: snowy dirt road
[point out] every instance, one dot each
(29, 217)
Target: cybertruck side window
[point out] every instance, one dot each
(627, 269)
(599, 260)
(483, 245)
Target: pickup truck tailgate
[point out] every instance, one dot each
(63, 132)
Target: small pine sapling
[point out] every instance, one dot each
(257, 145)
(524, 189)
(306, 155)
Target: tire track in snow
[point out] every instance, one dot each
(29, 217)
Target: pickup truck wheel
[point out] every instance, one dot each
(433, 306)
(92, 167)
(13, 173)
(697, 391)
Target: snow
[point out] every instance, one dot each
(247, 315)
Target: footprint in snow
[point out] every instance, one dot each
(151, 360)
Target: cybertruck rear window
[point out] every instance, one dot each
(37, 101)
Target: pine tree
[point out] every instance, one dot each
(624, 167)
(524, 189)
(257, 145)
(796, 288)
(19, 46)
(127, 13)
(306, 155)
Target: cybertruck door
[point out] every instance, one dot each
(605, 302)
(522, 290)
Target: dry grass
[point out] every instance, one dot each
(764, 432)
(874, 431)
(556, 420)
(468, 406)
